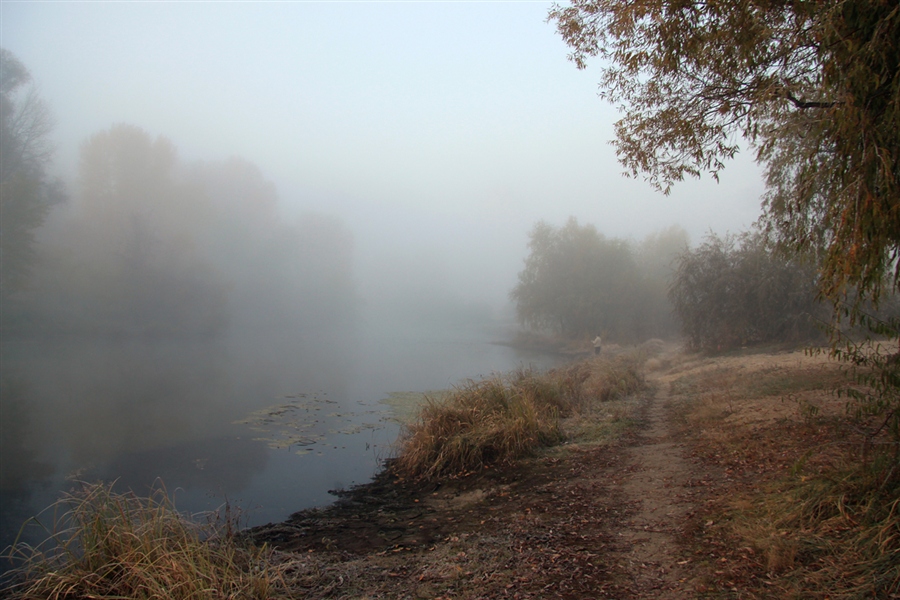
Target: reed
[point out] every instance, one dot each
(104, 544)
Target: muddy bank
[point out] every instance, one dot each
(390, 513)
(533, 530)
(366, 518)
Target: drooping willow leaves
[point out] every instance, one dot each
(812, 86)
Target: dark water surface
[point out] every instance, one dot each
(269, 423)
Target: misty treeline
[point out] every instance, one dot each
(728, 291)
(744, 289)
(579, 283)
(148, 244)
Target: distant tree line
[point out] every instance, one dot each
(579, 283)
(148, 244)
(729, 291)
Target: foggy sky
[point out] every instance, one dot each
(439, 133)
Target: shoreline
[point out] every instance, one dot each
(365, 517)
(680, 489)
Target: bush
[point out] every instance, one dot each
(736, 291)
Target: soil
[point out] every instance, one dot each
(583, 520)
(659, 483)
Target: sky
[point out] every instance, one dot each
(439, 132)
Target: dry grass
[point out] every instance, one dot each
(600, 379)
(480, 423)
(820, 518)
(835, 535)
(498, 420)
(108, 545)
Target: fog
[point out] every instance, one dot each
(290, 204)
(440, 130)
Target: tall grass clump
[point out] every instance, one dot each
(600, 379)
(104, 544)
(479, 423)
(503, 418)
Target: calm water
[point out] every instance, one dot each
(264, 421)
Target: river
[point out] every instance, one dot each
(269, 423)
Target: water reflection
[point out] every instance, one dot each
(22, 468)
(216, 466)
(265, 422)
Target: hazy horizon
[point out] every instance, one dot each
(438, 134)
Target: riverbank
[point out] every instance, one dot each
(682, 491)
(689, 488)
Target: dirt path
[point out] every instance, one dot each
(584, 521)
(654, 480)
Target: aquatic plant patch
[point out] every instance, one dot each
(304, 421)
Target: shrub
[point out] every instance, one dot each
(734, 291)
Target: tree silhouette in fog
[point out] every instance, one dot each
(133, 263)
(155, 246)
(26, 191)
(576, 283)
(736, 290)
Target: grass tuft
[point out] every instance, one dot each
(503, 418)
(841, 532)
(480, 423)
(600, 379)
(104, 544)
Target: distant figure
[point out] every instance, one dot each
(597, 344)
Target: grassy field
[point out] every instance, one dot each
(809, 505)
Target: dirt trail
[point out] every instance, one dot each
(655, 481)
(583, 521)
